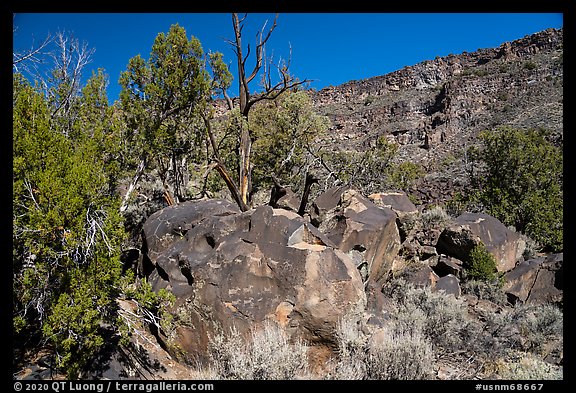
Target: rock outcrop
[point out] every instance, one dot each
(237, 270)
(471, 229)
(536, 281)
(356, 225)
(398, 201)
(233, 269)
(434, 110)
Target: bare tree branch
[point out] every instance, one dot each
(70, 58)
(29, 62)
(259, 49)
(31, 192)
(271, 92)
(132, 186)
(221, 168)
(31, 54)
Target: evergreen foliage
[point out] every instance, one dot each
(67, 230)
(161, 99)
(73, 152)
(284, 132)
(517, 176)
(373, 170)
(481, 265)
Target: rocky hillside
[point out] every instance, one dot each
(435, 109)
(362, 286)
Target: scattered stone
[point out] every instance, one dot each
(353, 222)
(421, 276)
(448, 265)
(398, 201)
(239, 270)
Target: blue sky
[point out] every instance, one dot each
(329, 48)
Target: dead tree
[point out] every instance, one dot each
(310, 179)
(278, 191)
(247, 100)
(28, 60)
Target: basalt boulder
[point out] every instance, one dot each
(470, 229)
(398, 201)
(355, 224)
(231, 269)
(536, 281)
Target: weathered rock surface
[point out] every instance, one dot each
(354, 223)
(421, 276)
(449, 284)
(536, 281)
(398, 201)
(239, 269)
(445, 265)
(434, 109)
(232, 269)
(229, 268)
(471, 229)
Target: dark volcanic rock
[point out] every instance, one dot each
(434, 110)
(536, 281)
(398, 201)
(421, 276)
(449, 284)
(239, 270)
(354, 223)
(447, 265)
(471, 229)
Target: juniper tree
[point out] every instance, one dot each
(67, 231)
(518, 178)
(161, 98)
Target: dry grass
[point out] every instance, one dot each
(528, 367)
(426, 329)
(391, 354)
(266, 355)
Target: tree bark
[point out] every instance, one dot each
(132, 186)
(246, 101)
(277, 192)
(245, 170)
(221, 168)
(310, 179)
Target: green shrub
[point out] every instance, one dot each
(369, 100)
(403, 175)
(517, 176)
(153, 307)
(481, 265)
(67, 230)
(368, 171)
(284, 132)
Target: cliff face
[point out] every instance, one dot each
(435, 109)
